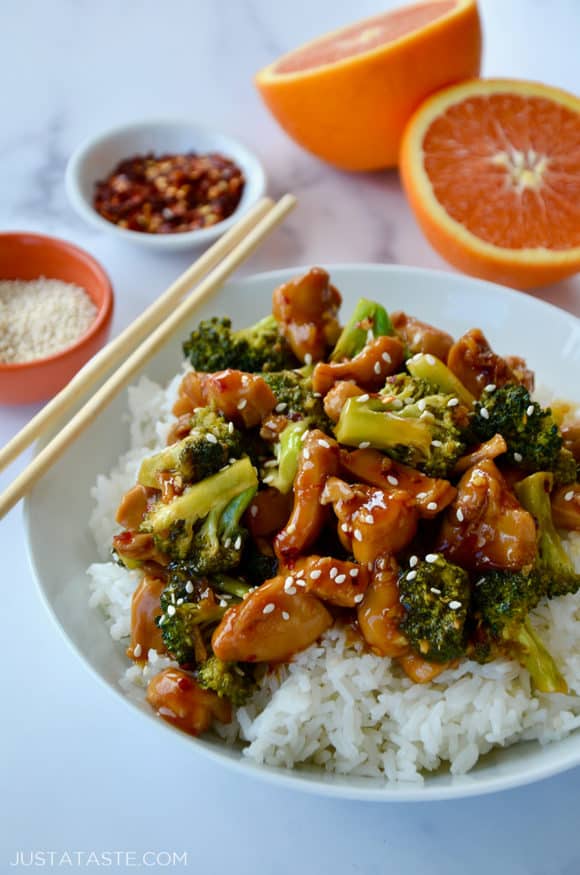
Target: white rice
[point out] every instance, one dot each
(336, 706)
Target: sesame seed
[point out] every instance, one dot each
(323, 443)
(459, 515)
(358, 535)
(189, 586)
(304, 435)
(386, 357)
(413, 561)
(392, 480)
(271, 463)
(364, 445)
(354, 572)
(171, 610)
(231, 427)
(569, 495)
(432, 505)
(242, 404)
(436, 443)
(289, 581)
(223, 603)
(137, 651)
(333, 572)
(238, 542)
(344, 527)
(307, 466)
(316, 574)
(411, 575)
(291, 528)
(421, 495)
(421, 404)
(484, 413)
(289, 588)
(211, 438)
(308, 359)
(431, 557)
(434, 590)
(340, 578)
(269, 478)
(227, 543)
(301, 583)
(453, 402)
(454, 605)
(317, 394)
(369, 519)
(518, 457)
(245, 380)
(370, 335)
(300, 573)
(430, 359)
(363, 398)
(179, 601)
(358, 598)
(530, 410)
(285, 615)
(491, 387)
(306, 453)
(267, 609)
(280, 407)
(377, 367)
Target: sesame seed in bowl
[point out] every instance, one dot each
(56, 307)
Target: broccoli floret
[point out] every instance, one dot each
(218, 542)
(287, 453)
(502, 601)
(566, 468)
(214, 346)
(188, 620)
(532, 435)
(232, 680)
(417, 429)
(436, 597)
(294, 390)
(196, 456)
(192, 606)
(553, 563)
(368, 317)
(172, 523)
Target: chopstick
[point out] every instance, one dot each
(68, 434)
(115, 351)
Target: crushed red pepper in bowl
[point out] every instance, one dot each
(170, 194)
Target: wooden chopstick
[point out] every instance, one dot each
(53, 450)
(115, 351)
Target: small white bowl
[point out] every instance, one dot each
(98, 156)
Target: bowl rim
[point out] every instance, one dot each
(104, 309)
(382, 791)
(74, 172)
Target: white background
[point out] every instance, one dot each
(78, 770)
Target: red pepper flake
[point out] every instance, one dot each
(170, 194)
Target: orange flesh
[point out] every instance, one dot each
(364, 36)
(507, 167)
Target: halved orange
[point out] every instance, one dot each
(347, 96)
(492, 171)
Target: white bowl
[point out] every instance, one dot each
(98, 156)
(514, 322)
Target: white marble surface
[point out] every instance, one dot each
(78, 772)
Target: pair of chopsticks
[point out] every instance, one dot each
(156, 324)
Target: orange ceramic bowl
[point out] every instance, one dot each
(26, 256)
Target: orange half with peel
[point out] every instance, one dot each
(347, 96)
(492, 171)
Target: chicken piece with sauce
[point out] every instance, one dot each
(486, 527)
(371, 521)
(306, 310)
